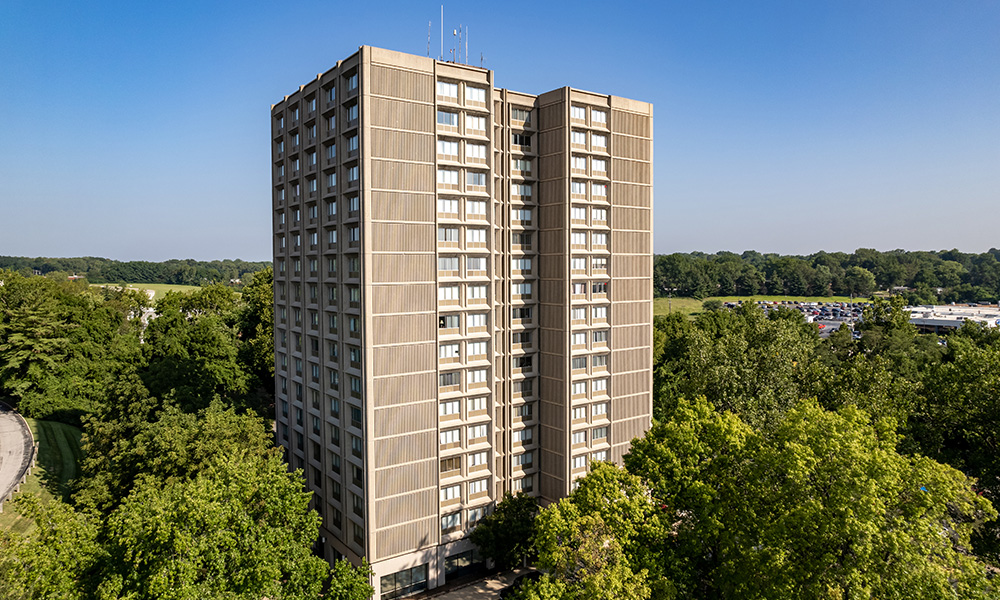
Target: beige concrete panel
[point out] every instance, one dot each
(408, 507)
(632, 147)
(456, 71)
(407, 538)
(631, 124)
(627, 104)
(392, 391)
(406, 478)
(404, 268)
(632, 265)
(401, 83)
(632, 194)
(396, 175)
(553, 415)
(403, 329)
(626, 384)
(403, 237)
(402, 206)
(625, 290)
(387, 299)
(409, 358)
(632, 171)
(633, 336)
(552, 291)
(402, 145)
(630, 313)
(632, 359)
(406, 115)
(625, 429)
(630, 241)
(399, 450)
(408, 418)
(631, 218)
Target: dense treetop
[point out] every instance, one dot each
(105, 270)
(961, 277)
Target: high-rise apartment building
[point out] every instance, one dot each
(463, 299)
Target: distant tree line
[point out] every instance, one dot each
(944, 276)
(105, 270)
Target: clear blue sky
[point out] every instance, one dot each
(139, 130)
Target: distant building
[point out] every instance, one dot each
(935, 319)
(463, 300)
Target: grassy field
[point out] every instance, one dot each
(159, 289)
(692, 306)
(58, 463)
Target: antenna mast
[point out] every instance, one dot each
(466, 45)
(442, 33)
(428, 39)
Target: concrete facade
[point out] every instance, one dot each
(463, 299)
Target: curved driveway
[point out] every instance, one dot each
(15, 449)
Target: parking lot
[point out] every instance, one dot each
(828, 316)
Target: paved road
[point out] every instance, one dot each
(15, 449)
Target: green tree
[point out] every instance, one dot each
(859, 281)
(505, 535)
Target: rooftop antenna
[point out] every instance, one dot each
(482, 59)
(441, 57)
(454, 32)
(466, 45)
(428, 39)
(459, 52)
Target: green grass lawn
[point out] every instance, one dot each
(159, 289)
(692, 306)
(58, 463)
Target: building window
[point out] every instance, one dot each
(579, 413)
(473, 123)
(523, 387)
(451, 522)
(579, 163)
(598, 141)
(521, 139)
(477, 460)
(404, 583)
(352, 143)
(521, 289)
(448, 148)
(474, 94)
(475, 404)
(475, 292)
(447, 205)
(448, 322)
(448, 292)
(475, 235)
(475, 151)
(520, 264)
(579, 437)
(448, 379)
(578, 187)
(521, 337)
(600, 337)
(475, 178)
(599, 165)
(578, 112)
(449, 90)
(578, 264)
(600, 360)
(579, 388)
(520, 313)
(352, 82)
(447, 263)
(600, 312)
(522, 435)
(447, 234)
(599, 385)
(600, 239)
(477, 320)
(447, 176)
(578, 138)
(520, 189)
(521, 164)
(475, 263)
(579, 462)
(475, 376)
(599, 433)
(451, 407)
(476, 432)
(451, 464)
(448, 119)
(521, 114)
(521, 214)
(598, 116)
(450, 436)
(451, 492)
(599, 189)
(475, 207)
(525, 459)
(599, 214)
(600, 409)
(521, 362)
(600, 287)
(477, 487)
